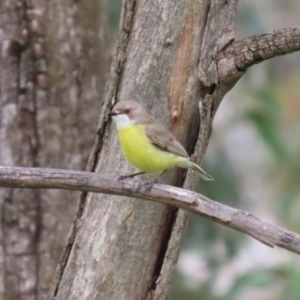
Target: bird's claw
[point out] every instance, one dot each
(121, 178)
(149, 185)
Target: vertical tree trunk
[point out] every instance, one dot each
(52, 65)
(122, 248)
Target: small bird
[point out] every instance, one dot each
(147, 144)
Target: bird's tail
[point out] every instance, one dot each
(198, 170)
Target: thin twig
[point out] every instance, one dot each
(270, 235)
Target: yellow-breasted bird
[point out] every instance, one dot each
(147, 144)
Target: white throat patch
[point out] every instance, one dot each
(122, 120)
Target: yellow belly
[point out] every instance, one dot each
(139, 151)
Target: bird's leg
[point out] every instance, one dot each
(121, 177)
(149, 185)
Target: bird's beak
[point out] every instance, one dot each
(112, 113)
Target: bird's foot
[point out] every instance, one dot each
(149, 185)
(122, 177)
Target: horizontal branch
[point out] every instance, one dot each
(255, 49)
(271, 235)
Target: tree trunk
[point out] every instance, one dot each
(121, 248)
(52, 65)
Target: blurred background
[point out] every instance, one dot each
(254, 157)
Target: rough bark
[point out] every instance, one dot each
(119, 247)
(52, 64)
(258, 48)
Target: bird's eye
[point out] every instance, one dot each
(127, 111)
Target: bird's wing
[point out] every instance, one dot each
(164, 139)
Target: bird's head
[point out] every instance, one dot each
(126, 113)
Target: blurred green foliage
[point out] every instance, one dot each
(266, 118)
(114, 9)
